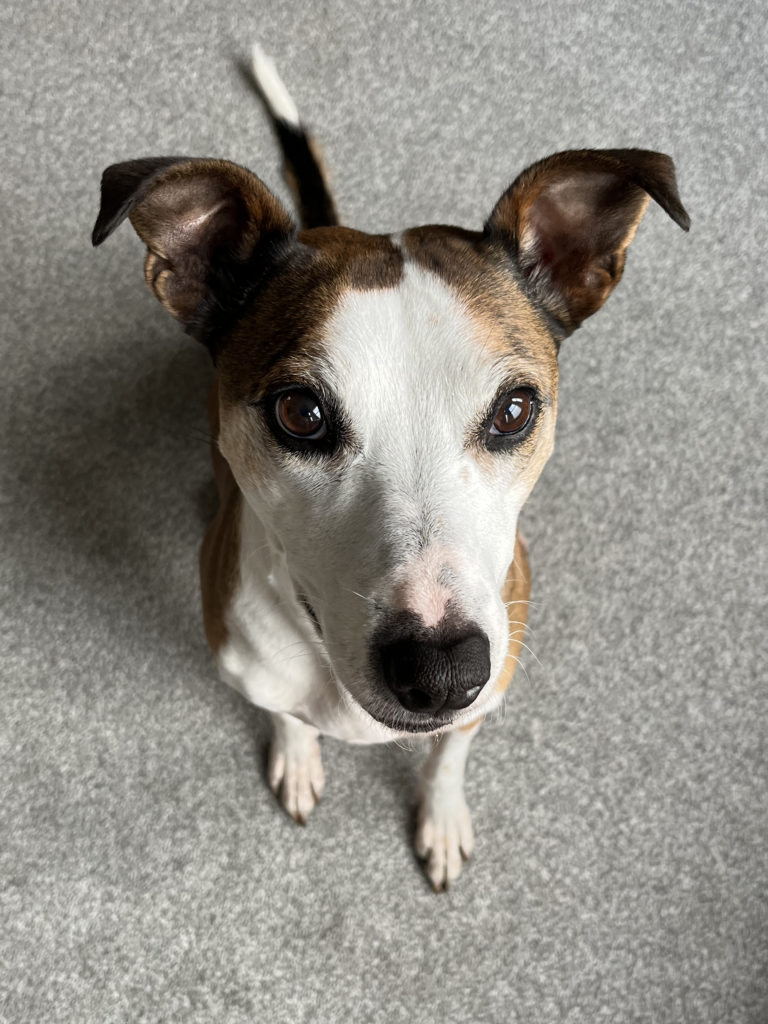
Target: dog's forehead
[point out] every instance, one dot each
(406, 356)
(278, 338)
(430, 304)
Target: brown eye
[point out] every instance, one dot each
(513, 413)
(300, 414)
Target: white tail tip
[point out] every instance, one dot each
(272, 88)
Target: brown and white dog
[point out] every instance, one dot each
(383, 406)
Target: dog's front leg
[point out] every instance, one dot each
(444, 837)
(295, 771)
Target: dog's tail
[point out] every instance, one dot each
(303, 167)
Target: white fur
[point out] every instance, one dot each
(276, 95)
(295, 770)
(444, 836)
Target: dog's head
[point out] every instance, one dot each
(388, 402)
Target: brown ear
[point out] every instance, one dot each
(569, 219)
(210, 228)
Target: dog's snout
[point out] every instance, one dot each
(428, 675)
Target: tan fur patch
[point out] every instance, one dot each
(508, 327)
(515, 596)
(480, 274)
(279, 338)
(220, 547)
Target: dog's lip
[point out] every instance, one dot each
(398, 723)
(311, 612)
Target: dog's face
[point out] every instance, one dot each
(390, 446)
(387, 403)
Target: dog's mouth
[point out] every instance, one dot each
(404, 721)
(311, 613)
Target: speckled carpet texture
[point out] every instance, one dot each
(619, 802)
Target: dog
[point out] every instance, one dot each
(383, 406)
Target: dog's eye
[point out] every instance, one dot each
(300, 415)
(513, 413)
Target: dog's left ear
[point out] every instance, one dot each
(568, 220)
(210, 227)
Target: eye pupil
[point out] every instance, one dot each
(510, 417)
(513, 414)
(299, 414)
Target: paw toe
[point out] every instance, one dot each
(297, 779)
(444, 840)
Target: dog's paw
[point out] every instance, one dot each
(444, 839)
(295, 775)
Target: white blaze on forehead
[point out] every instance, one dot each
(408, 363)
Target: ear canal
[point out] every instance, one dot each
(210, 228)
(568, 221)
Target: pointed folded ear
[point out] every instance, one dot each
(568, 220)
(209, 227)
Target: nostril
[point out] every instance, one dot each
(410, 671)
(417, 700)
(471, 667)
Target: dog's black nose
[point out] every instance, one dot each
(429, 675)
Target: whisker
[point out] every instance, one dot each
(361, 596)
(519, 664)
(516, 622)
(513, 636)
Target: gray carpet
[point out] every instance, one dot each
(620, 803)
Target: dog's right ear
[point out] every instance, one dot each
(209, 226)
